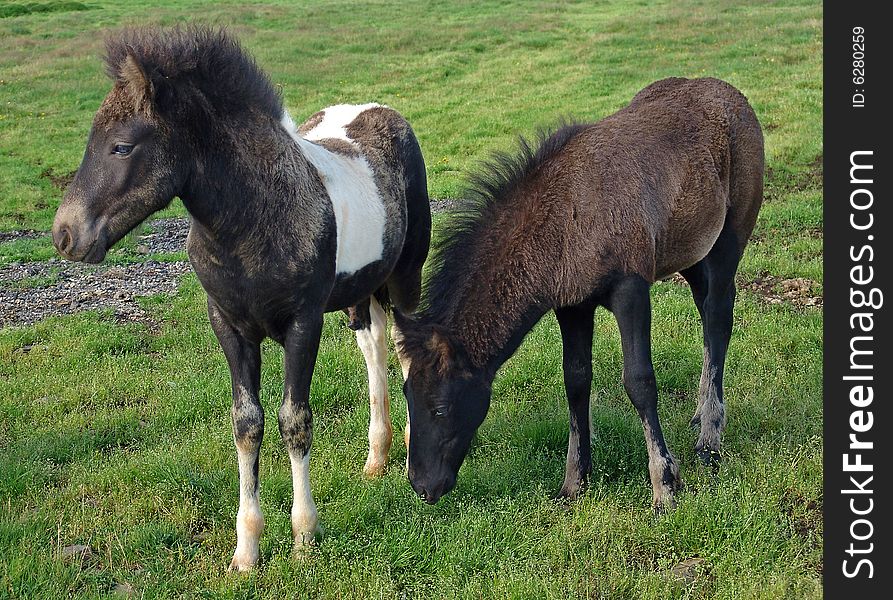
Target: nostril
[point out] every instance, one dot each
(62, 239)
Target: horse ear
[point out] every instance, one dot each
(446, 350)
(434, 345)
(135, 81)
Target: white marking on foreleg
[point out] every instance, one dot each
(404, 367)
(248, 426)
(304, 518)
(373, 343)
(249, 520)
(663, 492)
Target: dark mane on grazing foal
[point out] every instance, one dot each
(489, 189)
(194, 66)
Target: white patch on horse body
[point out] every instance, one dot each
(359, 211)
(374, 344)
(336, 119)
(304, 518)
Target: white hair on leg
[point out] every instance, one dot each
(304, 518)
(404, 368)
(711, 412)
(249, 520)
(373, 343)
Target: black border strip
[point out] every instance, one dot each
(858, 365)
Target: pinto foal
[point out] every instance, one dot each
(288, 223)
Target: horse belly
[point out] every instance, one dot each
(350, 289)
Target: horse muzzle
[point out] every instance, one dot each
(78, 241)
(432, 490)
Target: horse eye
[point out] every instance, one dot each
(438, 412)
(122, 149)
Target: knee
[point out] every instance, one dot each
(296, 427)
(640, 383)
(248, 425)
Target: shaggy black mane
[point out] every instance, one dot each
(196, 59)
(489, 190)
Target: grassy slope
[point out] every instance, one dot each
(118, 437)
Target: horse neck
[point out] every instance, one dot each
(240, 172)
(492, 313)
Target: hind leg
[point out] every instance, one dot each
(372, 341)
(404, 369)
(713, 287)
(405, 285)
(696, 276)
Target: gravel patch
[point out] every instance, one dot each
(78, 287)
(22, 234)
(167, 236)
(798, 291)
(445, 205)
(33, 291)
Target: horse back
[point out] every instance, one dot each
(669, 171)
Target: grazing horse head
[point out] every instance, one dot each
(447, 398)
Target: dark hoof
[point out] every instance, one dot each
(569, 493)
(709, 457)
(566, 496)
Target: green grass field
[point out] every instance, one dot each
(118, 436)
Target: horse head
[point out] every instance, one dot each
(447, 398)
(133, 165)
